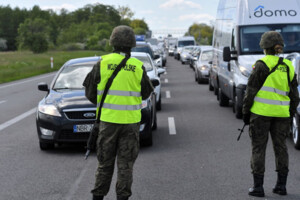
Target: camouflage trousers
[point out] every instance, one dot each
(279, 128)
(119, 141)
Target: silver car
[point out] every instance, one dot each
(202, 64)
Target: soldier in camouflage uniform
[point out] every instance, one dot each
(119, 128)
(269, 104)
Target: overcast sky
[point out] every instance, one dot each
(158, 14)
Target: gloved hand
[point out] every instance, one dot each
(246, 118)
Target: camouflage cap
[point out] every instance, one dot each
(122, 36)
(270, 39)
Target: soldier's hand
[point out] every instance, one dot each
(246, 119)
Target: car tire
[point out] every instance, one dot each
(148, 141)
(196, 76)
(200, 80)
(46, 146)
(154, 127)
(210, 87)
(237, 109)
(295, 132)
(158, 104)
(223, 99)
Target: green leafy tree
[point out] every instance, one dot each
(125, 12)
(139, 23)
(202, 33)
(33, 34)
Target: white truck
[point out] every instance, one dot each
(238, 29)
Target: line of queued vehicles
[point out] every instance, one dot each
(65, 115)
(220, 69)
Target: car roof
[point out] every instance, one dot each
(86, 60)
(140, 54)
(203, 48)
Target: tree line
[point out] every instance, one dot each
(86, 28)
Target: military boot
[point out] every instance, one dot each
(97, 197)
(122, 198)
(257, 190)
(280, 185)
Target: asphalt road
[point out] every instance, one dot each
(195, 158)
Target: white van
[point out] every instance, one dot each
(182, 42)
(237, 33)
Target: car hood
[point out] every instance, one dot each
(69, 99)
(248, 61)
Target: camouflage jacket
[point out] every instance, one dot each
(256, 81)
(93, 78)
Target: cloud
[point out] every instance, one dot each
(68, 7)
(146, 12)
(180, 3)
(199, 18)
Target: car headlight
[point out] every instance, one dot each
(49, 110)
(245, 71)
(144, 104)
(204, 67)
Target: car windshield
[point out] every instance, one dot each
(185, 43)
(146, 62)
(188, 49)
(72, 77)
(145, 49)
(206, 55)
(250, 37)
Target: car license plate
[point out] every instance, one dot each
(82, 128)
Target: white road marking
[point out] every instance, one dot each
(166, 80)
(165, 73)
(75, 186)
(2, 101)
(16, 119)
(168, 94)
(172, 127)
(32, 79)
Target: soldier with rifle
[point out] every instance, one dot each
(117, 84)
(269, 104)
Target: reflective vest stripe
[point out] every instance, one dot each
(277, 91)
(272, 102)
(120, 93)
(120, 107)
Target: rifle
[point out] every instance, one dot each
(242, 130)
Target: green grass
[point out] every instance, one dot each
(23, 64)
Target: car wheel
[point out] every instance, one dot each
(196, 76)
(182, 62)
(237, 109)
(199, 78)
(295, 131)
(210, 87)
(223, 99)
(46, 146)
(154, 127)
(158, 104)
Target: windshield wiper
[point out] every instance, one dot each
(67, 88)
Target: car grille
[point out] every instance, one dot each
(69, 135)
(75, 115)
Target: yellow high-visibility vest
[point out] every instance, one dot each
(123, 102)
(272, 99)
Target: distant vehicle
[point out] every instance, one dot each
(194, 56)
(170, 44)
(140, 38)
(182, 42)
(185, 55)
(146, 47)
(295, 58)
(236, 40)
(65, 115)
(203, 64)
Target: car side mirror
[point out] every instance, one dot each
(227, 54)
(175, 47)
(155, 82)
(160, 71)
(210, 62)
(43, 87)
(156, 57)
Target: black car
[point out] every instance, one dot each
(65, 115)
